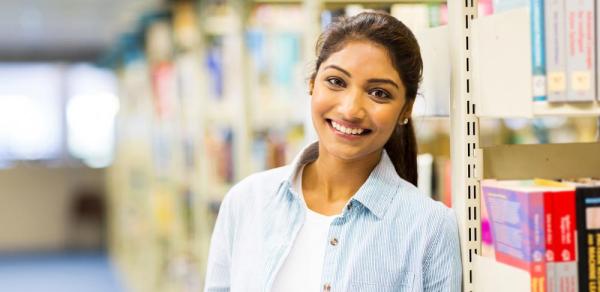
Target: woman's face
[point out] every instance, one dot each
(357, 100)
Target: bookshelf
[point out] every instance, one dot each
(491, 78)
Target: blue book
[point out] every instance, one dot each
(538, 50)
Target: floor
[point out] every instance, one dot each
(65, 272)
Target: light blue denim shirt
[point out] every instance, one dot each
(390, 237)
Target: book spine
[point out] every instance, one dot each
(537, 242)
(581, 54)
(563, 229)
(597, 42)
(538, 58)
(504, 5)
(556, 50)
(435, 17)
(550, 238)
(588, 237)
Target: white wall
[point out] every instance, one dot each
(34, 205)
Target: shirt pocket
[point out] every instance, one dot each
(396, 283)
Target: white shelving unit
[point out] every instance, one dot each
(491, 78)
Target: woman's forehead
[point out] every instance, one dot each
(364, 58)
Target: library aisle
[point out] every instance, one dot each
(124, 123)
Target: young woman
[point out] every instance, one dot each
(345, 215)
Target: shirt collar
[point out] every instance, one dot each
(378, 191)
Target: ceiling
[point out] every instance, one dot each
(69, 30)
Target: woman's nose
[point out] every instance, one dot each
(352, 107)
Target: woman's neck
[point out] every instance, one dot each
(329, 182)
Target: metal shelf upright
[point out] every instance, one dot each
(464, 136)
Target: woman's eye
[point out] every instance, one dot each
(336, 81)
(379, 93)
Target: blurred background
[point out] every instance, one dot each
(124, 123)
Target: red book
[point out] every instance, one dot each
(559, 211)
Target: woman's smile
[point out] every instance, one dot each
(348, 131)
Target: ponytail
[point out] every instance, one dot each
(402, 150)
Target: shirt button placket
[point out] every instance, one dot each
(332, 254)
(333, 242)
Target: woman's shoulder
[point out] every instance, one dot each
(428, 218)
(263, 179)
(411, 200)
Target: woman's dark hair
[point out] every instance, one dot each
(405, 54)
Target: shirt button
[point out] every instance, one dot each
(334, 242)
(327, 287)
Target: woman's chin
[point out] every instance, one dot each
(346, 152)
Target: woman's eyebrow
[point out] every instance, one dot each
(382, 80)
(339, 69)
(373, 80)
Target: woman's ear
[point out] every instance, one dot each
(405, 114)
(311, 86)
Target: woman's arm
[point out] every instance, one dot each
(443, 268)
(219, 255)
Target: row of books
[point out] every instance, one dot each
(563, 48)
(415, 16)
(277, 67)
(550, 229)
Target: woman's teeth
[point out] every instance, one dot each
(345, 130)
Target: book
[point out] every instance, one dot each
(581, 50)
(487, 239)
(414, 16)
(442, 180)
(538, 50)
(353, 9)
(435, 14)
(556, 50)
(484, 7)
(538, 44)
(597, 43)
(588, 235)
(425, 171)
(560, 223)
(504, 5)
(516, 218)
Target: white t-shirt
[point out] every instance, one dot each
(302, 269)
